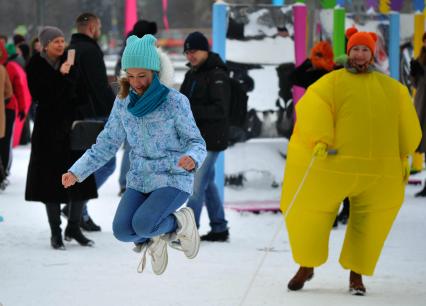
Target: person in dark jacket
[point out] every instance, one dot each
(93, 91)
(318, 64)
(207, 87)
(52, 87)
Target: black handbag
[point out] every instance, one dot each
(84, 133)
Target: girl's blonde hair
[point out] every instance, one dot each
(124, 87)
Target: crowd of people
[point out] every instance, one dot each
(355, 129)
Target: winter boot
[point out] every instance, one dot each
(421, 193)
(73, 230)
(216, 236)
(57, 243)
(356, 287)
(187, 232)
(89, 225)
(303, 275)
(54, 216)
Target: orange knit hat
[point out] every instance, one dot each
(322, 56)
(360, 38)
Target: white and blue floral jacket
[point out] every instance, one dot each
(157, 142)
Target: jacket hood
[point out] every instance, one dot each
(79, 37)
(167, 70)
(212, 61)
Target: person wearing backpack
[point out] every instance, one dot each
(208, 89)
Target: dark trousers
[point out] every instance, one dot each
(54, 216)
(2, 175)
(26, 132)
(6, 141)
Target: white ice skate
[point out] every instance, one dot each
(157, 249)
(187, 237)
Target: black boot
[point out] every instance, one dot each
(73, 230)
(421, 193)
(54, 216)
(57, 243)
(344, 214)
(216, 236)
(89, 225)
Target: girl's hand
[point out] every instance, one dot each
(68, 179)
(186, 162)
(65, 68)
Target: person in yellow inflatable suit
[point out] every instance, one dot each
(354, 131)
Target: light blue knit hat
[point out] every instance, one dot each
(141, 53)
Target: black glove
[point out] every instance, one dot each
(21, 115)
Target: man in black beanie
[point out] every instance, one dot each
(207, 87)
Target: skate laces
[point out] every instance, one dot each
(152, 247)
(142, 263)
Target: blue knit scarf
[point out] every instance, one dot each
(150, 100)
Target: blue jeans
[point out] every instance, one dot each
(125, 166)
(101, 175)
(141, 216)
(205, 191)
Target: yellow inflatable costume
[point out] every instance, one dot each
(370, 121)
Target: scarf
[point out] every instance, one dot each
(352, 67)
(55, 64)
(150, 100)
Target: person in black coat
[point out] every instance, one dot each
(313, 68)
(93, 91)
(207, 87)
(53, 89)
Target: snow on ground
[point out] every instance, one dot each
(228, 274)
